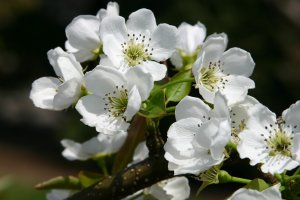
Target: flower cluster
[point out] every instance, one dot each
(131, 80)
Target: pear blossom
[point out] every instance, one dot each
(82, 33)
(115, 98)
(272, 142)
(249, 194)
(239, 115)
(190, 40)
(97, 146)
(58, 194)
(226, 72)
(139, 42)
(59, 93)
(197, 139)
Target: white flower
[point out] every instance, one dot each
(274, 143)
(249, 194)
(82, 33)
(115, 98)
(176, 188)
(95, 147)
(138, 43)
(196, 141)
(190, 39)
(239, 115)
(59, 93)
(58, 194)
(227, 72)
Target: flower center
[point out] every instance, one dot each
(280, 143)
(209, 78)
(137, 49)
(117, 103)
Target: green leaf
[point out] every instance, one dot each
(257, 184)
(89, 178)
(136, 134)
(178, 91)
(155, 106)
(60, 182)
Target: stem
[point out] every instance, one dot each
(231, 145)
(239, 180)
(292, 178)
(171, 109)
(297, 171)
(102, 165)
(175, 82)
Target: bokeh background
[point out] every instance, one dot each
(30, 151)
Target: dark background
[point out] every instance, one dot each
(29, 137)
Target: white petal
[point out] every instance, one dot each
(143, 81)
(163, 41)
(237, 61)
(213, 48)
(111, 9)
(236, 88)
(64, 64)
(115, 26)
(58, 194)
(82, 32)
(43, 91)
(252, 146)
(103, 80)
(249, 194)
(292, 117)
(67, 94)
(221, 110)
(90, 108)
(113, 49)
(191, 37)
(178, 188)
(207, 95)
(112, 143)
(141, 152)
(296, 147)
(176, 60)
(158, 71)
(278, 164)
(181, 134)
(134, 103)
(191, 107)
(72, 150)
(141, 21)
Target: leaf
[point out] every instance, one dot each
(155, 105)
(60, 182)
(257, 184)
(136, 134)
(178, 91)
(89, 178)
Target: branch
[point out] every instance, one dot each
(134, 178)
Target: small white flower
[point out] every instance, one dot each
(227, 72)
(59, 93)
(270, 141)
(95, 147)
(138, 43)
(190, 39)
(115, 98)
(196, 141)
(249, 194)
(82, 33)
(58, 194)
(239, 115)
